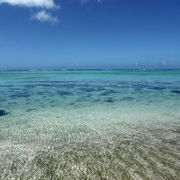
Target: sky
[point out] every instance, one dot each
(89, 33)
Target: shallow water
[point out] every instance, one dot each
(117, 124)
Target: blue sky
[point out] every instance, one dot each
(89, 33)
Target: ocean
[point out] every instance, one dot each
(90, 124)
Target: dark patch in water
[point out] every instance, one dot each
(127, 99)
(142, 86)
(71, 104)
(29, 110)
(99, 88)
(64, 93)
(41, 93)
(6, 86)
(67, 85)
(3, 112)
(157, 88)
(124, 87)
(109, 100)
(29, 86)
(14, 89)
(176, 91)
(2, 99)
(87, 89)
(20, 95)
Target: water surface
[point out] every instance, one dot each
(118, 124)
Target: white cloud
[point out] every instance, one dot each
(31, 3)
(44, 16)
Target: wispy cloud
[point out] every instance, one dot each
(31, 3)
(44, 16)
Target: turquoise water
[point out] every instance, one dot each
(111, 124)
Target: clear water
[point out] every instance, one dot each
(119, 124)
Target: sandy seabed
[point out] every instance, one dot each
(99, 142)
